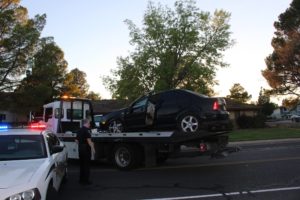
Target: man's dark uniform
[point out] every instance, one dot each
(84, 154)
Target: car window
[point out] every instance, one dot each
(22, 147)
(52, 140)
(98, 118)
(155, 98)
(169, 97)
(141, 102)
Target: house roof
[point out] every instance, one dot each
(233, 105)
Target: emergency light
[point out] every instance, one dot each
(3, 127)
(37, 126)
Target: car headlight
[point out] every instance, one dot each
(32, 194)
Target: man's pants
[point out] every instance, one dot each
(84, 161)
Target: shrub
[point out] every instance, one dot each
(257, 121)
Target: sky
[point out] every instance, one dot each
(93, 35)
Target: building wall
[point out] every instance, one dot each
(234, 115)
(9, 117)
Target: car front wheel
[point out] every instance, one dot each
(52, 194)
(189, 123)
(115, 126)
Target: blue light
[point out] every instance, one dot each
(3, 127)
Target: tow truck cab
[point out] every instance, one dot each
(66, 114)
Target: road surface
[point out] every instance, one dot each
(263, 170)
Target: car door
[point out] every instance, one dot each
(58, 159)
(168, 108)
(136, 114)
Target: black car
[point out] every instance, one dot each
(183, 110)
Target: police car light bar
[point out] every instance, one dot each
(37, 126)
(3, 127)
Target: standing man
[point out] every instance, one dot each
(86, 149)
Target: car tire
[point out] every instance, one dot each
(189, 123)
(126, 156)
(65, 177)
(115, 126)
(52, 194)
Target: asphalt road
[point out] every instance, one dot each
(264, 170)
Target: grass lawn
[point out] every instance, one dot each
(264, 134)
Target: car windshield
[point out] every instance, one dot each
(21, 147)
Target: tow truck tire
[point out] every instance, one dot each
(127, 156)
(115, 126)
(188, 123)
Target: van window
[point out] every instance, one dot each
(48, 114)
(88, 114)
(56, 113)
(77, 114)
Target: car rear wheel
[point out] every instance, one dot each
(189, 123)
(115, 126)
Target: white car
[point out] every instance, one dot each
(33, 164)
(295, 118)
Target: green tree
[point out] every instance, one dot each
(18, 39)
(45, 81)
(290, 102)
(75, 84)
(283, 65)
(93, 96)
(263, 97)
(179, 48)
(263, 101)
(238, 93)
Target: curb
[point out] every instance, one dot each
(273, 141)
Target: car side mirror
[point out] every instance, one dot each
(57, 149)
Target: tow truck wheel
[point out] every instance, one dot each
(189, 123)
(126, 156)
(115, 126)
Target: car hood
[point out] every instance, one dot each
(114, 114)
(14, 173)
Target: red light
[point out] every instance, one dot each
(37, 126)
(203, 147)
(216, 106)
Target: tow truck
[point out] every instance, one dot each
(128, 150)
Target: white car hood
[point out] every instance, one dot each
(14, 173)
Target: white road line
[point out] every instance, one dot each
(228, 194)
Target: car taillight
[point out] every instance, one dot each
(202, 147)
(216, 106)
